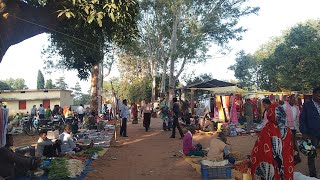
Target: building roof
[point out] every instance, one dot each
(33, 90)
(213, 83)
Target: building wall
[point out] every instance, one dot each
(30, 95)
(56, 97)
(13, 106)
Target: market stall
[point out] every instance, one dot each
(76, 165)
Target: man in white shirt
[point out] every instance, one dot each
(80, 111)
(124, 115)
(292, 113)
(68, 146)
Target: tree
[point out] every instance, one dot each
(83, 99)
(290, 61)
(77, 91)
(80, 43)
(205, 21)
(40, 80)
(49, 84)
(4, 86)
(199, 79)
(16, 84)
(61, 84)
(21, 20)
(245, 70)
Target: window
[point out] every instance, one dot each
(46, 103)
(22, 105)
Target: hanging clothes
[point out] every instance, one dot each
(233, 110)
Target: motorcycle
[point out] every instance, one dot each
(58, 122)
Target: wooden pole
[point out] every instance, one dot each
(192, 102)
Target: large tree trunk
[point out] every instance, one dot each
(173, 51)
(153, 76)
(94, 105)
(164, 76)
(20, 21)
(154, 96)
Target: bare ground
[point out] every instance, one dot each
(153, 155)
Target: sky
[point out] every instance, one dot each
(23, 60)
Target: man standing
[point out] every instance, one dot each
(33, 111)
(176, 113)
(292, 113)
(124, 115)
(310, 126)
(80, 111)
(248, 112)
(48, 113)
(41, 112)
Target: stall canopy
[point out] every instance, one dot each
(216, 86)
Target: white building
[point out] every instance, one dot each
(21, 101)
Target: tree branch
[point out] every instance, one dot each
(181, 68)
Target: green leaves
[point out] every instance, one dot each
(291, 61)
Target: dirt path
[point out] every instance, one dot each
(151, 155)
(144, 155)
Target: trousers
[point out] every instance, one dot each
(176, 124)
(123, 129)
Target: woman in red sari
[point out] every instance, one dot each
(272, 155)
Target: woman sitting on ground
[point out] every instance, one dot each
(219, 150)
(68, 146)
(189, 148)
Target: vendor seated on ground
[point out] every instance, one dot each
(47, 147)
(13, 165)
(68, 146)
(219, 150)
(189, 148)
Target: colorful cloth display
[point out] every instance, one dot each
(233, 111)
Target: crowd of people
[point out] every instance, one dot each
(273, 156)
(276, 150)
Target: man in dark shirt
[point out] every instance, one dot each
(13, 165)
(42, 112)
(310, 126)
(176, 113)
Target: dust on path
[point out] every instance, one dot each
(143, 156)
(151, 155)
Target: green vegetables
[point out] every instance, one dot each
(92, 150)
(58, 169)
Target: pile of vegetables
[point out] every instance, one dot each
(58, 169)
(90, 152)
(75, 167)
(62, 168)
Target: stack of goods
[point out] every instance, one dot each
(233, 130)
(97, 139)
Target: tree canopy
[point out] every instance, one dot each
(291, 61)
(61, 84)
(199, 79)
(14, 84)
(49, 84)
(40, 80)
(22, 19)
